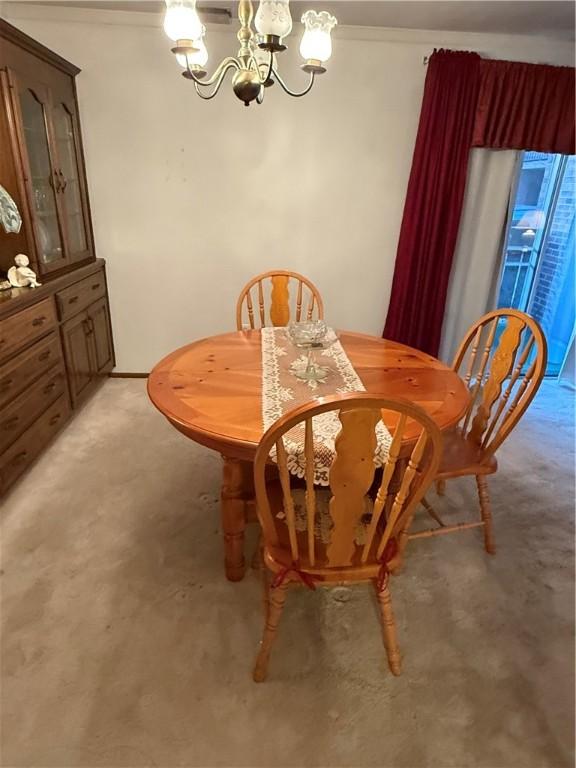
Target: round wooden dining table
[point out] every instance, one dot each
(211, 391)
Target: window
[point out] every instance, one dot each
(538, 272)
(529, 186)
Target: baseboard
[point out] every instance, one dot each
(122, 375)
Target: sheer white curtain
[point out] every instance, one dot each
(477, 259)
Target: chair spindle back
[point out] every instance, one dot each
(277, 297)
(504, 355)
(403, 482)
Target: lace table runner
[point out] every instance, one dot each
(282, 391)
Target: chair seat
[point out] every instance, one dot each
(461, 457)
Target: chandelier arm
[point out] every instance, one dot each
(219, 72)
(287, 90)
(253, 64)
(270, 68)
(204, 96)
(216, 87)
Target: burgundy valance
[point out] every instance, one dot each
(525, 106)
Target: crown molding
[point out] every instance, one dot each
(14, 35)
(427, 37)
(25, 10)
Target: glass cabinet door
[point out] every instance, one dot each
(43, 184)
(69, 182)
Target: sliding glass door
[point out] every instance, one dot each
(538, 270)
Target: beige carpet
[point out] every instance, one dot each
(123, 644)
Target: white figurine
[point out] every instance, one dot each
(21, 275)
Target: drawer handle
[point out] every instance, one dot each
(49, 387)
(5, 386)
(95, 286)
(73, 300)
(44, 356)
(10, 423)
(55, 419)
(39, 320)
(19, 458)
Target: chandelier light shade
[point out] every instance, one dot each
(316, 45)
(181, 21)
(255, 66)
(273, 18)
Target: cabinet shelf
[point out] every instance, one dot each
(48, 127)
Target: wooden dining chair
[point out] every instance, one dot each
(339, 535)
(504, 359)
(277, 297)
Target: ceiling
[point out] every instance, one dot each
(550, 18)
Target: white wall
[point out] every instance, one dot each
(190, 199)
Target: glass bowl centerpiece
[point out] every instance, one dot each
(310, 335)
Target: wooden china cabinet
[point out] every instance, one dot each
(56, 340)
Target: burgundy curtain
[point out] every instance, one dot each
(525, 106)
(467, 102)
(434, 200)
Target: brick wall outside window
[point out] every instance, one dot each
(557, 251)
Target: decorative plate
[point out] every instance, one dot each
(9, 214)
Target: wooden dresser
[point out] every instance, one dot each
(55, 340)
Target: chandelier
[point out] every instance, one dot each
(256, 63)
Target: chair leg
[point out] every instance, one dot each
(432, 512)
(276, 600)
(389, 629)
(486, 513)
(264, 575)
(440, 487)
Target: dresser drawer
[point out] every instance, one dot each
(23, 452)
(80, 295)
(22, 328)
(30, 405)
(17, 374)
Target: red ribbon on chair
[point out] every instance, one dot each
(390, 552)
(306, 578)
